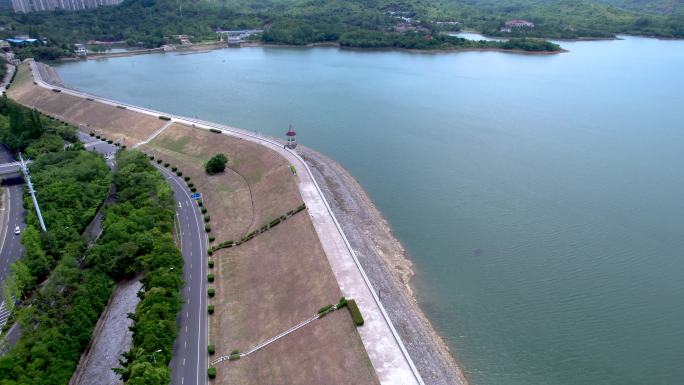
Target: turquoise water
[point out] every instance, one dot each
(540, 197)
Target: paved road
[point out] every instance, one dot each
(13, 215)
(386, 351)
(189, 364)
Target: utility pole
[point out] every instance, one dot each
(25, 170)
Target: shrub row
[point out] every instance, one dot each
(260, 230)
(162, 117)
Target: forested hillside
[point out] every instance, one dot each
(358, 23)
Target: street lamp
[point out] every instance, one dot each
(153, 355)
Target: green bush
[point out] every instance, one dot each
(166, 164)
(207, 228)
(190, 184)
(210, 251)
(211, 372)
(159, 161)
(204, 210)
(200, 203)
(355, 312)
(274, 222)
(56, 90)
(211, 349)
(216, 164)
(92, 134)
(90, 99)
(193, 189)
(234, 355)
(179, 173)
(110, 141)
(174, 168)
(211, 291)
(151, 157)
(342, 303)
(210, 277)
(215, 130)
(187, 178)
(162, 117)
(97, 136)
(121, 107)
(211, 263)
(207, 218)
(212, 238)
(210, 309)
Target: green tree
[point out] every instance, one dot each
(216, 164)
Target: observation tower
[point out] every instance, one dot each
(291, 138)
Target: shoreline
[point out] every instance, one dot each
(389, 269)
(205, 48)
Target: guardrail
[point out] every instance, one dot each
(225, 128)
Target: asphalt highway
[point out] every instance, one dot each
(189, 363)
(13, 215)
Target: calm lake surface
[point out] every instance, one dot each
(540, 197)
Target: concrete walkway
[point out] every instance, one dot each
(387, 353)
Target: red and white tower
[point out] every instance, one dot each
(291, 138)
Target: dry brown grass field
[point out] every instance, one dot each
(115, 123)
(274, 281)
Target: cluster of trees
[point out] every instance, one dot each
(26, 130)
(65, 300)
(66, 283)
(417, 40)
(137, 239)
(151, 23)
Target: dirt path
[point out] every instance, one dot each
(384, 260)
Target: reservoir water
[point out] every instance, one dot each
(539, 197)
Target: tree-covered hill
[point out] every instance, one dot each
(359, 23)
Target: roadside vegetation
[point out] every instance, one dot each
(357, 23)
(61, 284)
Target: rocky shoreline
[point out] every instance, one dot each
(385, 262)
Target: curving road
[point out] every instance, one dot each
(189, 363)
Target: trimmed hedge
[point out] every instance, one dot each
(207, 218)
(211, 263)
(204, 210)
(212, 238)
(355, 312)
(207, 228)
(174, 168)
(210, 309)
(121, 107)
(211, 372)
(162, 117)
(56, 90)
(90, 99)
(217, 131)
(166, 164)
(325, 308)
(210, 277)
(187, 178)
(211, 292)
(211, 349)
(179, 173)
(159, 161)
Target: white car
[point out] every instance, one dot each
(17, 230)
